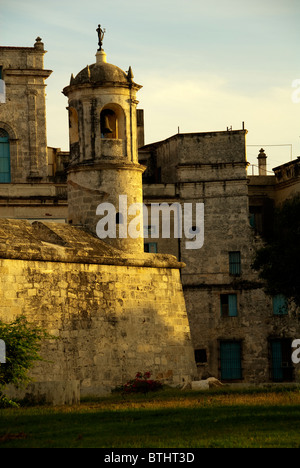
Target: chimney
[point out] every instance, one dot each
(262, 162)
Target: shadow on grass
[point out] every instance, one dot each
(215, 426)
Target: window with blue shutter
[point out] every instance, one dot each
(4, 157)
(150, 247)
(229, 307)
(252, 220)
(149, 231)
(282, 369)
(277, 374)
(231, 360)
(256, 218)
(280, 305)
(235, 263)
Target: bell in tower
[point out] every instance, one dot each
(106, 128)
(108, 124)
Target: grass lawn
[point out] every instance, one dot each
(167, 419)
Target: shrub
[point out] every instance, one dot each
(141, 384)
(23, 342)
(6, 402)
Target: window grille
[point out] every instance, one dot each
(280, 305)
(4, 134)
(282, 369)
(235, 263)
(230, 358)
(5, 176)
(229, 306)
(150, 247)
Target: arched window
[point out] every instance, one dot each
(112, 122)
(73, 125)
(5, 177)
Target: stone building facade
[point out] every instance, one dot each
(114, 309)
(113, 293)
(238, 332)
(32, 176)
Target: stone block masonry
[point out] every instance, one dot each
(113, 317)
(23, 116)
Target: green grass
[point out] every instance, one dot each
(170, 419)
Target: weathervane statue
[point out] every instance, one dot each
(101, 33)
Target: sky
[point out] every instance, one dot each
(204, 65)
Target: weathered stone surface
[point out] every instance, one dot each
(54, 393)
(24, 75)
(210, 168)
(64, 243)
(114, 315)
(37, 189)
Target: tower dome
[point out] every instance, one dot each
(99, 74)
(102, 73)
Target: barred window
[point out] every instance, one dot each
(5, 176)
(282, 369)
(150, 247)
(231, 360)
(280, 305)
(229, 306)
(235, 263)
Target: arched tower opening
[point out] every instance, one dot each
(112, 122)
(73, 125)
(74, 134)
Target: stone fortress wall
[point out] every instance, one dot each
(113, 315)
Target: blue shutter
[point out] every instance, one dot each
(235, 263)
(276, 350)
(231, 366)
(280, 305)
(150, 247)
(252, 220)
(4, 159)
(232, 305)
(153, 247)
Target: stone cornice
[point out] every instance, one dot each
(27, 72)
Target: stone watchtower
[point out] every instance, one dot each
(103, 145)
